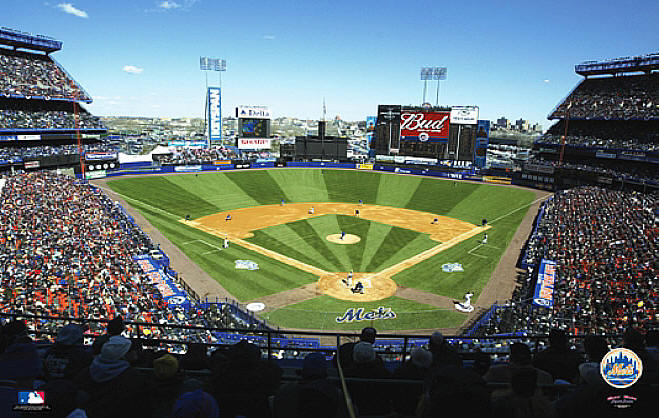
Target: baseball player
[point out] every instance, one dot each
(349, 279)
(357, 213)
(484, 239)
(359, 288)
(434, 221)
(282, 202)
(312, 211)
(225, 244)
(360, 202)
(343, 234)
(228, 218)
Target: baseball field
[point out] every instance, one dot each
(415, 244)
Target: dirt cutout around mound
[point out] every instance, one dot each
(345, 240)
(448, 231)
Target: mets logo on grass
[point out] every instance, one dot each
(621, 368)
(358, 314)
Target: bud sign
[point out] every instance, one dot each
(424, 126)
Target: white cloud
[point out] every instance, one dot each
(70, 9)
(183, 5)
(131, 69)
(546, 81)
(168, 5)
(269, 37)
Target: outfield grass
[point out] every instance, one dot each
(165, 199)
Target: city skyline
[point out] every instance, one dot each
(141, 58)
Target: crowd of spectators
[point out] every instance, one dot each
(620, 171)
(624, 97)
(26, 74)
(631, 144)
(199, 155)
(605, 245)
(118, 376)
(47, 119)
(11, 153)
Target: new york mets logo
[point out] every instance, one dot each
(621, 368)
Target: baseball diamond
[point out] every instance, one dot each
(407, 228)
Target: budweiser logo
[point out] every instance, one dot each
(417, 122)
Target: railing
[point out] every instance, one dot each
(270, 341)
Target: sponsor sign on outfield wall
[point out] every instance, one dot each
(424, 127)
(214, 114)
(32, 164)
(464, 115)
(94, 156)
(253, 112)
(187, 168)
(364, 166)
(254, 143)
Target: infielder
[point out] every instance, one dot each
(343, 234)
(484, 239)
(312, 211)
(228, 218)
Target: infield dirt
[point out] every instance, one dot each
(447, 231)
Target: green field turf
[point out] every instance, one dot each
(165, 199)
(323, 311)
(381, 245)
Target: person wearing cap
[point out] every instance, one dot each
(115, 388)
(67, 357)
(195, 404)
(368, 335)
(20, 360)
(442, 353)
(115, 327)
(313, 395)
(168, 384)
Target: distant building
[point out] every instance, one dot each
(503, 123)
(522, 125)
(536, 127)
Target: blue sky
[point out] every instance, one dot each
(512, 58)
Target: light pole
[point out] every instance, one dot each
(426, 74)
(207, 64)
(438, 73)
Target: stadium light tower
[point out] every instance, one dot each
(207, 64)
(426, 74)
(438, 73)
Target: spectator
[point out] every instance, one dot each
(368, 335)
(407, 396)
(313, 396)
(524, 401)
(560, 361)
(19, 361)
(453, 391)
(442, 353)
(365, 365)
(115, 327)
(113, 386)
(67, 357)
(195, 404)
(520, 358)
(168, 384)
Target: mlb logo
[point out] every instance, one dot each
(31, 398)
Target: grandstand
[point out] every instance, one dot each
(607, 129)
(40, 106)
(72, 261)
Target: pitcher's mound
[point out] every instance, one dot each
(375, 287)
(348, 239)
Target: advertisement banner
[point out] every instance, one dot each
(254, 143)
(90, 175)
(364, 166)
(497, 180)
(604, 154)
(253, 112)
(8, 138)
(544, 286)
(187, 168)
(385, 158)
(214, 114)
(464, 115)
(482, 143)
(96, 156)
(29, 137)
(222, 162)
(424, 127)
(32, 164)
(421, 161)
